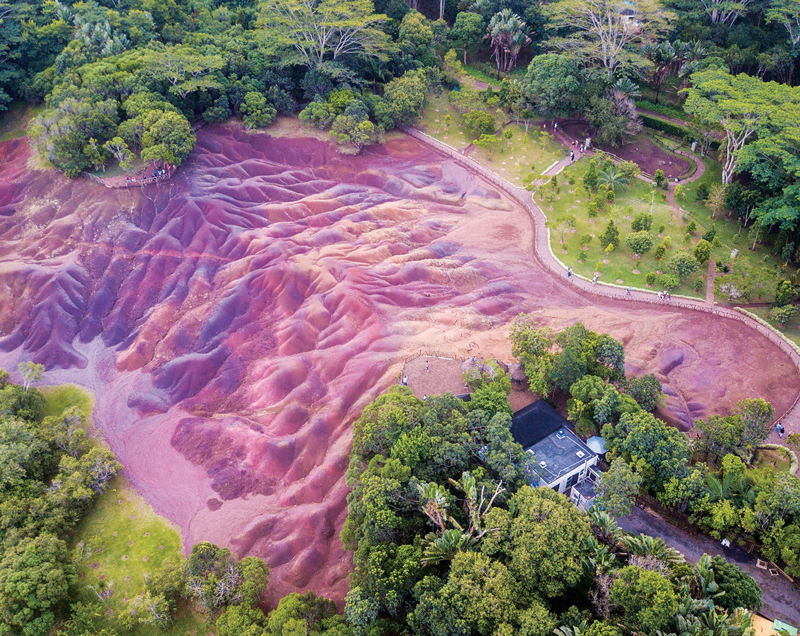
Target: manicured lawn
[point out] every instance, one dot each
(533, 152)
(791, 329)
(774, 460)
(122, 539)
(622, 267)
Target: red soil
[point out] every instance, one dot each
(234, 322)
(642, 150)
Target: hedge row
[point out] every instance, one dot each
(670, 128)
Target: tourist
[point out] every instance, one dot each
(660, 295)
(569, 272)
(405, 380)
(594, 280)
(427, 365)
(555, 125)
(628, 292)
(572, 155)
(424, 397)
(669, 297)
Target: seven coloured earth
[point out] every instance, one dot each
(233, 321)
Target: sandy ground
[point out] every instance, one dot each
(234, 321)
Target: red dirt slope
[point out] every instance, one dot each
(234, 322)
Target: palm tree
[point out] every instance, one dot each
(604, 526)
(733, 487)
(507, 33)
(443, 547)
(612, 177)
(644, 545)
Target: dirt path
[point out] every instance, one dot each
(543, 251)
(712, 270)
(780, 597)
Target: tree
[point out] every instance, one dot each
(257, 113)
(783, 314)
(610, 235)
(639, 242)
(614, 118)
(602, 31)
(355, 131)
(757, 416)
(618, 488)
(739, 588)
(320, 30)
(613, 178)
(787, 13)
(308, 607)
(184, 68)
(31, 373)
(321, 114)
(507, 34)
(530, 344)
(552, 84)
(167, 138)
(406, 96)
(120, 151)
(646, 390)
(35, 576)
(479, 122)
(647, 598)
(737, 103)
(468, 29)
(240, 620)
(542, 537)
(725, 12)
(682, 264)
(702, 252)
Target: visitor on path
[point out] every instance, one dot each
(569, 272)
(405, 380)
(427, 365)
(555, 125)
(661, 295)
(669, 296)
(628, 292)
(594, 280)
(572, 155)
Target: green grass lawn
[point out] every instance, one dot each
(791, 329)
(622, 267)
(777, 461)
(122, 539)
(533, 152)
(13, 121)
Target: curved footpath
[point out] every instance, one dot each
(544, 253)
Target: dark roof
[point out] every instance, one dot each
(535, 422)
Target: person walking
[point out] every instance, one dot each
(628, 292)
(572, 155)
(569, 273)
(669, 296)
(427, 365)
(660, 296)
(405, 380)
(594, 280)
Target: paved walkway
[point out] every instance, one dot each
(781, 598)
(543, 254)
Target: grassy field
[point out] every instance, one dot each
(15, 119)
(122, 540)
(526, 154)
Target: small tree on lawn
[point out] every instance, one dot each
(716, 201)
(590, 179)
(610, 235)
(659, 179)
(682, 264)
(702, 252)
(487, 142)
(640, 242)
(783, 314)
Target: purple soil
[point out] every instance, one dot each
(234, 322)
(642, 150)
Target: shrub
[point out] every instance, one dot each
(667, 242)
(591, 176)
(669, 281)
(650, 278)
(784, 293)
(702, 192)
(610, 196)
(593, 209)
(257, 112)
(710, 234)
(660, 251)
(659, 179)
(656, 123)
(683, 264)
(699, 284)
(642, 222)
(783, 314)
(586, 239)
(661, 228)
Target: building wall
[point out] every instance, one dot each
(561, 482)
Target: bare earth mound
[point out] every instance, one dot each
(234, 322)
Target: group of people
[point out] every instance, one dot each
(664, 295)
(779, 429)
(156, 173)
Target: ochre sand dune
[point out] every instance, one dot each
(234, 322)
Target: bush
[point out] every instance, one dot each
(610, 236)
(586, 239)
(660, 251)
(710, 234)
(702, 192)
(783, 314)
(610, 196)
(699, 284)
(702, 251)
(257, 112)
(650, 278)
(593, 209)
(669, 281)
(659, 179)
(670, 128)
(683, 264)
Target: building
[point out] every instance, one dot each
(565, 462)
